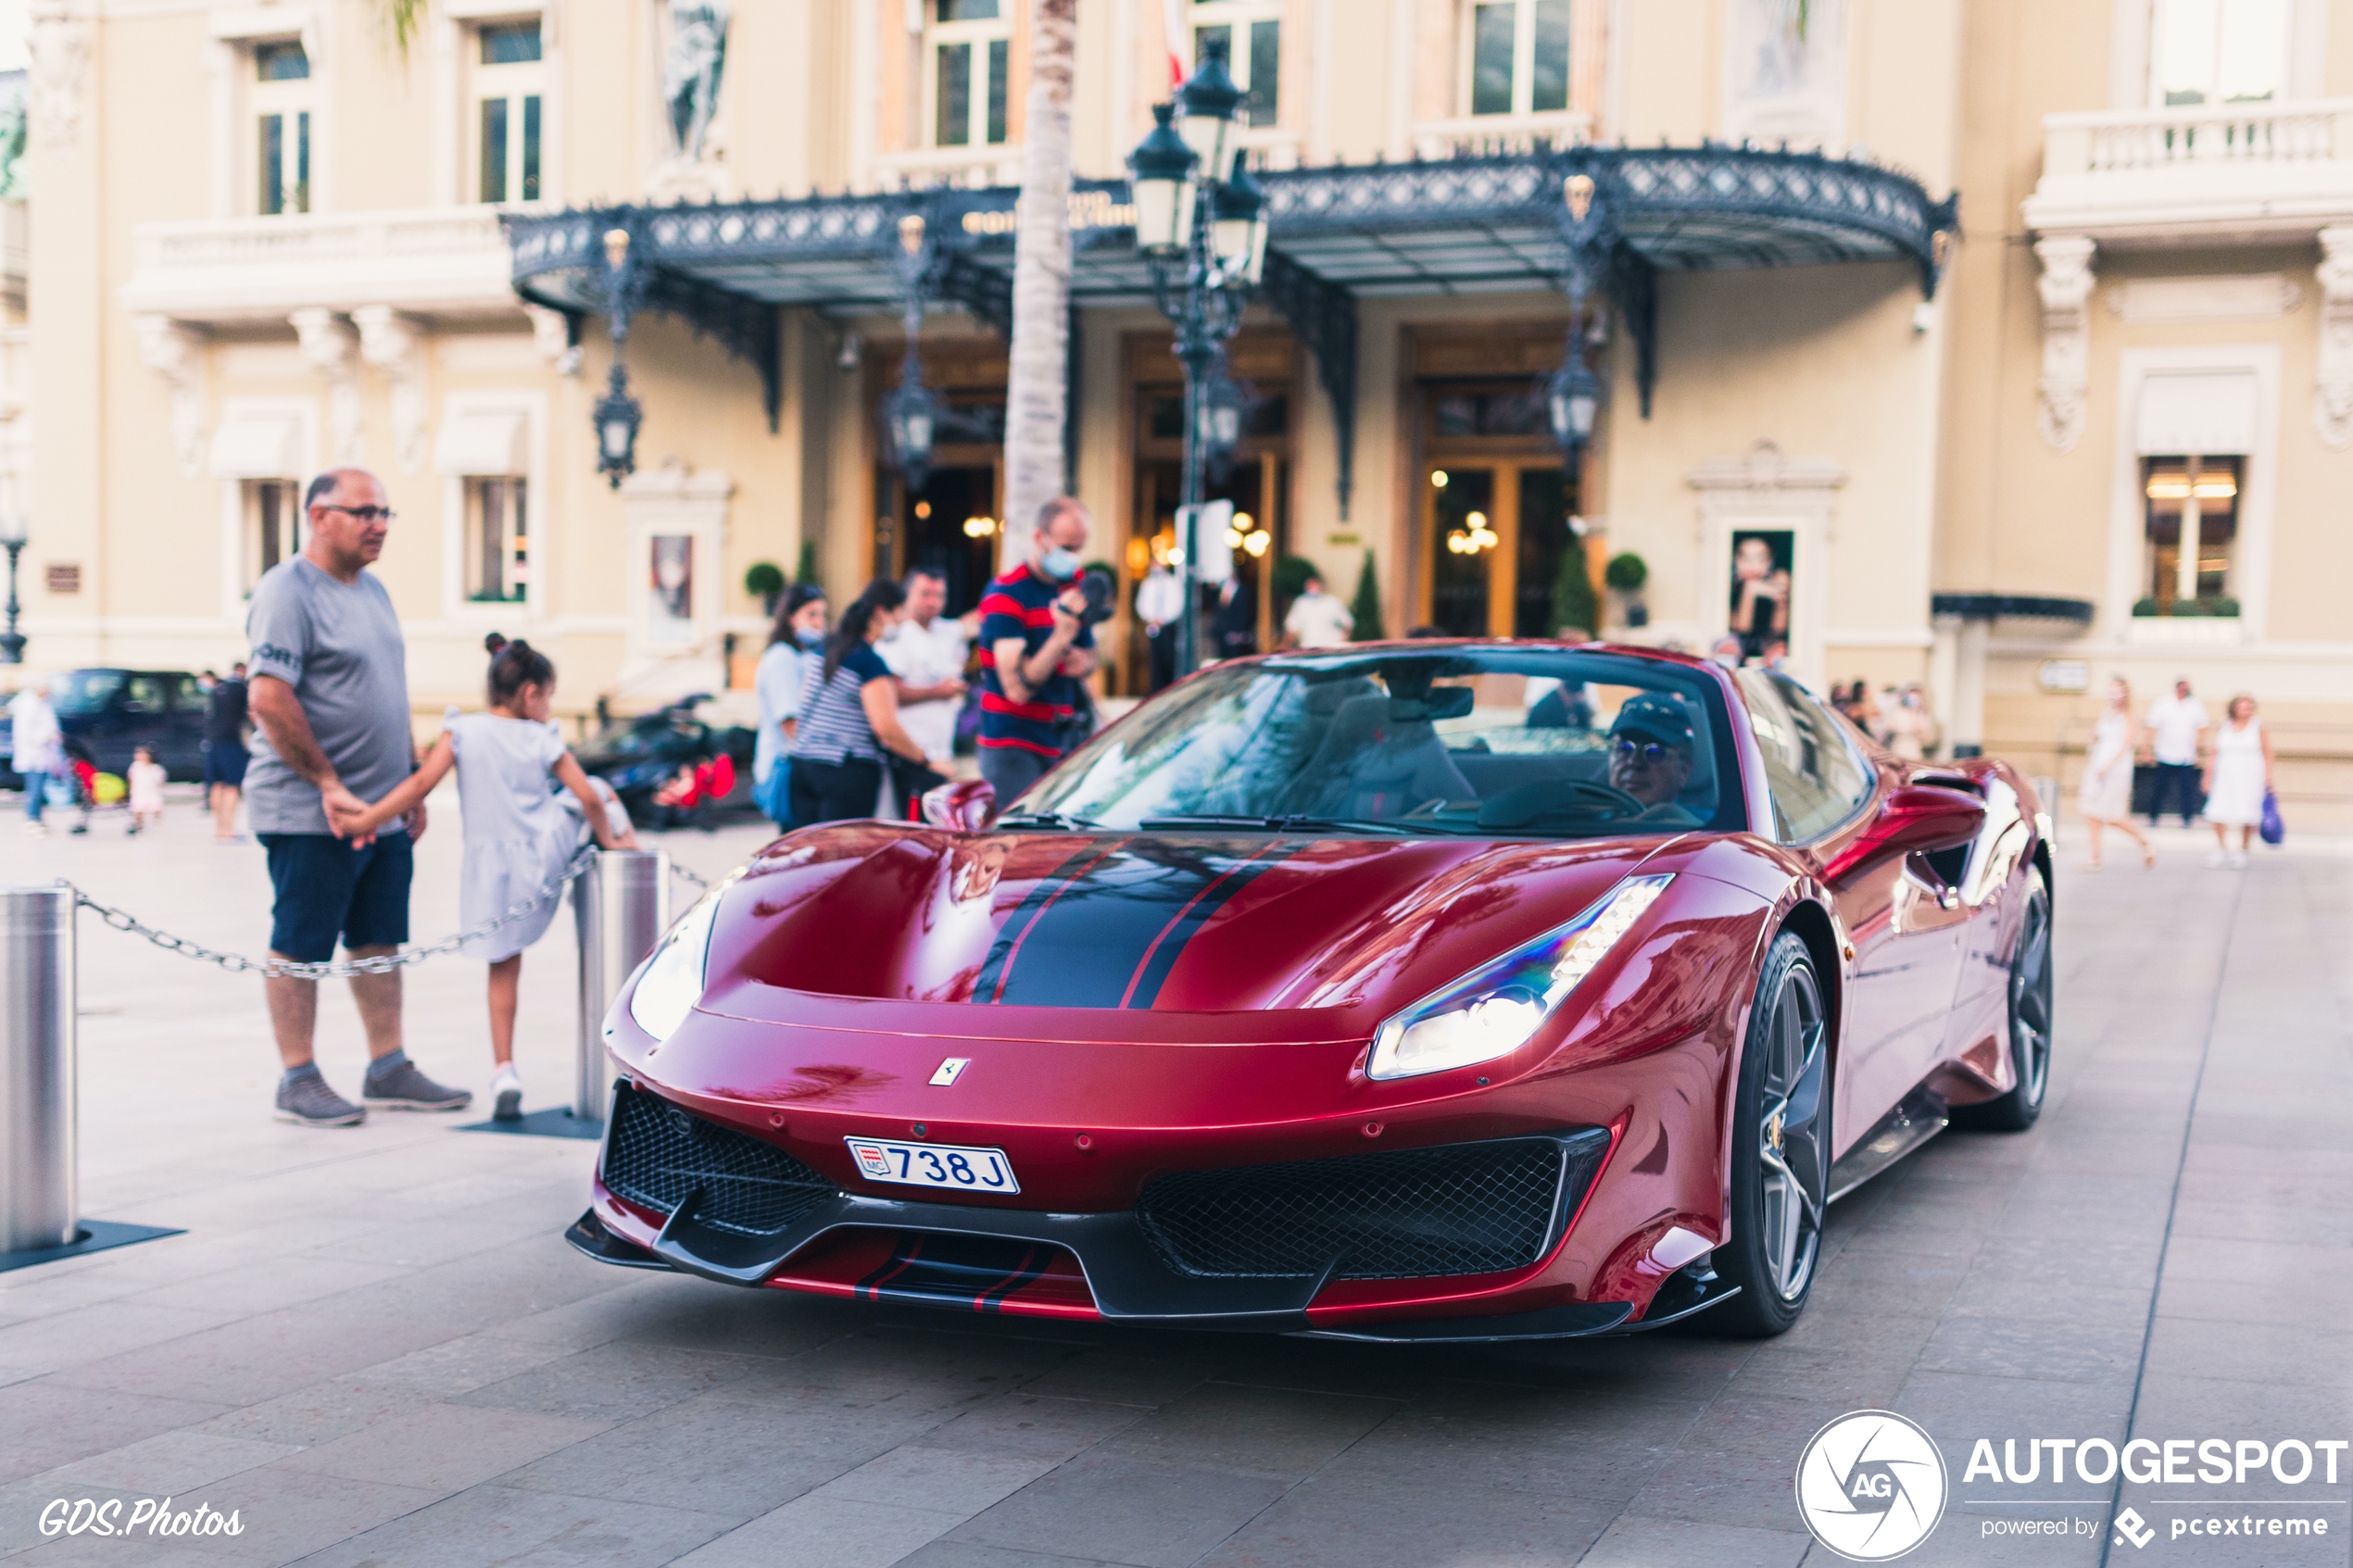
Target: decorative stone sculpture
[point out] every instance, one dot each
(2066, 288)
(2332, 394)
(692, 77)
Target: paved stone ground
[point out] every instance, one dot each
(374, 1348)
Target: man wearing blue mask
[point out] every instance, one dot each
(1035, 648)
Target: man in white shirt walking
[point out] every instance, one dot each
(1317, 620)
(2176, 731)
(1159, 601)
(926, 652)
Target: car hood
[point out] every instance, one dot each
(1139, 923)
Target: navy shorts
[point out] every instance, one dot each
(224, 763)
(328, 889)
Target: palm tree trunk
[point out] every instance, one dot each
(1038, 393)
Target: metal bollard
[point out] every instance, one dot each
(620, 906)
(38, 1201)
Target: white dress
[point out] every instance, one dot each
(2236, 799)
(2107, 790)
(518, 833)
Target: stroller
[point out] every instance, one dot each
(690, 797)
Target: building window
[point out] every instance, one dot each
(507, 112)
(2192, 527)
(497, 541)
(1252, 32)
(971, 42)
(1518, 57)
(2219, 51)
(272, 527)
(282, 126)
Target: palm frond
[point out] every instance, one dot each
(400, 19)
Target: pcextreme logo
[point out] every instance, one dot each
(1871, 1486)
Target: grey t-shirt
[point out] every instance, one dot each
(338, 644)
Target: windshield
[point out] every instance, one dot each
(1459, 741)
(80, 693)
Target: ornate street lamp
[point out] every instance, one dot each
(911, 411)
(617, 415)
(1572, 398)
(12, 538)
(1205, 241)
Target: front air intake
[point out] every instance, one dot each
(1457, 1208)
(657, 1153)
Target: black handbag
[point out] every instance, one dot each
(910, 781)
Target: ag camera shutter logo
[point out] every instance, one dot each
(1871, 1486)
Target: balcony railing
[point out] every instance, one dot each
(1492, 135)
(2221, 172)
(932, 169)
(449, 257)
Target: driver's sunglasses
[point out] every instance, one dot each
(365, 514)
(1648, 751)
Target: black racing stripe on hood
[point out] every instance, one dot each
(989, 983)
(1108, 936)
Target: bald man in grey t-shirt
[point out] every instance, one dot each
(330, 704)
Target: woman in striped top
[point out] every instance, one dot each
(849, 715)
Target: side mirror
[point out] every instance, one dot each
(964, 806)
(1917, 819)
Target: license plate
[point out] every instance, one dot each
(934, 1165)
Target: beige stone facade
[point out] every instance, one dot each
(2125, 276)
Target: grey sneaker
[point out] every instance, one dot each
(308, 1102)
(405, 1088)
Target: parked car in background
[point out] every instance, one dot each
(113, 712)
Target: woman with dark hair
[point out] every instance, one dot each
(794, 642)
(849, 723)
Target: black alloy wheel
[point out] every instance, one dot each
(2030, 1020)
(1780, 1150)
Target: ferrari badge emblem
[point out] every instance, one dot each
(1577, 190)
(949, 1070)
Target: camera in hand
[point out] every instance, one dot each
(1100, 593)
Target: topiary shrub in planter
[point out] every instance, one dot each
(1367, 606)
(764, 580)
(1624, 576)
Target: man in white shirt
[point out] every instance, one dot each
(2176, 732)
(926, 652)
(1317, 620)
(1160, 599)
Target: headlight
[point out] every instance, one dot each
(1494, 1010)
(672, 981)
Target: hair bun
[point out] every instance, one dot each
(492, 644)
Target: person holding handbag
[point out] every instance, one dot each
(2238, 777)
(849, 728)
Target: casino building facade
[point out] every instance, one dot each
(2019, 337)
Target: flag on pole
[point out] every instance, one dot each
(1173, 14)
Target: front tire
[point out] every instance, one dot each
(2029, 1016)
(1780, 1149)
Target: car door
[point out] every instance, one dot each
(1904, 920)
(1983, 876)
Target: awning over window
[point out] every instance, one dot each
(481, 441)
(258, 443)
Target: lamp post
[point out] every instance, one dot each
(617, 415)
(1205, 240)
(911, 411)
(12, 538)
(1572, 399)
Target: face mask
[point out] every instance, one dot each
(812, 641)
(1060, 564)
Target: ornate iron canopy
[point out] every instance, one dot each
(1606, 220)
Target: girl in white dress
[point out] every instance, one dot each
(2106, 795)
(2237, 778)
(519, 834)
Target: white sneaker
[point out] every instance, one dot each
(506, 1094)
(2216, 857)
(36, 829)
(2238, 858)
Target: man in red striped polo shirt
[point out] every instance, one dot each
(1034, 651)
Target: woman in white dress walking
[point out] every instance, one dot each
(519, 835)
(2238, 775)
(2105, 797)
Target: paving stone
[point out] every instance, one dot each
(836, 1531)
(1124, 1509)
(444, 1448)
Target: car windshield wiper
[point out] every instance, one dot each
(1046, 819)
(1272, 824)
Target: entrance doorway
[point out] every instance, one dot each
(950, 526)
(1497, 533)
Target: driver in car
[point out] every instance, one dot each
(1650, 757)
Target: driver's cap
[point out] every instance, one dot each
(1661, 717)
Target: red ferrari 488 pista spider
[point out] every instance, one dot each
(1413, 992)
